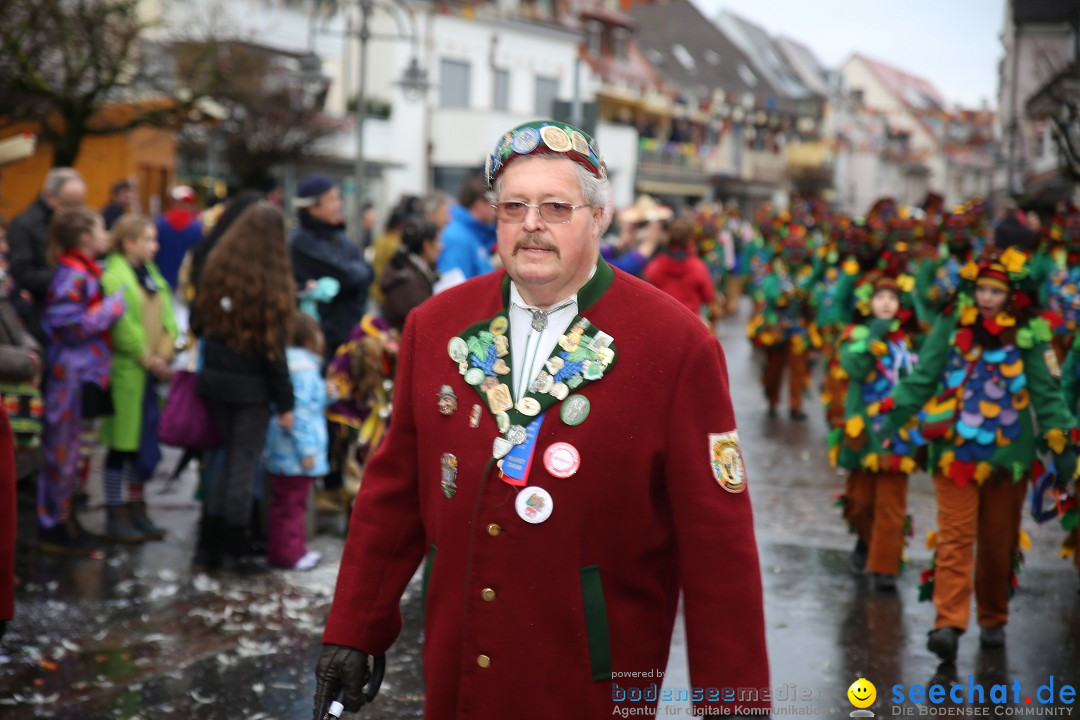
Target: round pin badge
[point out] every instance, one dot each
(526, 405)
(458, 349)
(562, 459)
(534, 504)
(525, 141)
(502, 421)
(579, 142)
(474, 376)
(499, 325)
(575, 409)
(556, 138)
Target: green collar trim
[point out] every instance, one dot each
(589, 293)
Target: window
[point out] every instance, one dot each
(501, 95)
(747, 75)
(621, 36)
(594, 32)
(454, 84)
(547, 90)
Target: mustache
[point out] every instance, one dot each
(536, 242)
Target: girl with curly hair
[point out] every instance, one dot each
(245, 305)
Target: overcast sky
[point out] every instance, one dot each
(952, 43)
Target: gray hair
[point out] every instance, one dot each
(58, 178)
(435, 200)
(596, 192)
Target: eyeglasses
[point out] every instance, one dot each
(556, 213)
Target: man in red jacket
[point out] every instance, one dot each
(588, 471)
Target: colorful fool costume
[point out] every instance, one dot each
(981, 381)
(1067, 501)
(76, 318)
(587, 539)
(875, 355)
(937, 277)
(785, 326)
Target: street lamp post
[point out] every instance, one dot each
(413, 82)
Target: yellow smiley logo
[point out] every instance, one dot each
(862, 693)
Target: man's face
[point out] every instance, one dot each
(72, 194)
(126, 197)
(328, 209)
(547, 261)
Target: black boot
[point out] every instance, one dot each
(208, 546)
(137, 515)
(235, 554)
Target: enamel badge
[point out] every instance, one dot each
(449, 465)
(725, 457)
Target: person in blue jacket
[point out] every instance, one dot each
(469, 237)
(295, 456)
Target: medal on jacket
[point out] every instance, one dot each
(583, 355)
(518, 462)
(449, 468)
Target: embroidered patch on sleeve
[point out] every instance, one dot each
(726, 460)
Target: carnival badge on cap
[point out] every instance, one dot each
(726, 461)
(548, 137)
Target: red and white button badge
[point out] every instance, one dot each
(562, 459)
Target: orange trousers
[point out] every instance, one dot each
(978, 525)
(876, 507)
(733, 290)
(776, 359)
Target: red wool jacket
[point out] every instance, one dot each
(686, 279)
(531, 621)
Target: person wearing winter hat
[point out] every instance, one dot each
(320, 248)
(178, 229)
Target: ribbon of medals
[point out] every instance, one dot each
(584, 353)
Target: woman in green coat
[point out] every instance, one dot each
(143, 344)
(987, 370)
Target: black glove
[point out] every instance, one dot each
(340, 670)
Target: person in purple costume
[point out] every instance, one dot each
(76, 319)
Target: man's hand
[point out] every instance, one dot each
(285, 420)
(340, 670)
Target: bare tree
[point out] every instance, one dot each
(78, 68)
(273, 104)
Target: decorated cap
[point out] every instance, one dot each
(545, 137)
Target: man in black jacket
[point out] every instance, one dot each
(320, 248)
(29, 237)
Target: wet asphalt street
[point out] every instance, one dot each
(136, 633)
